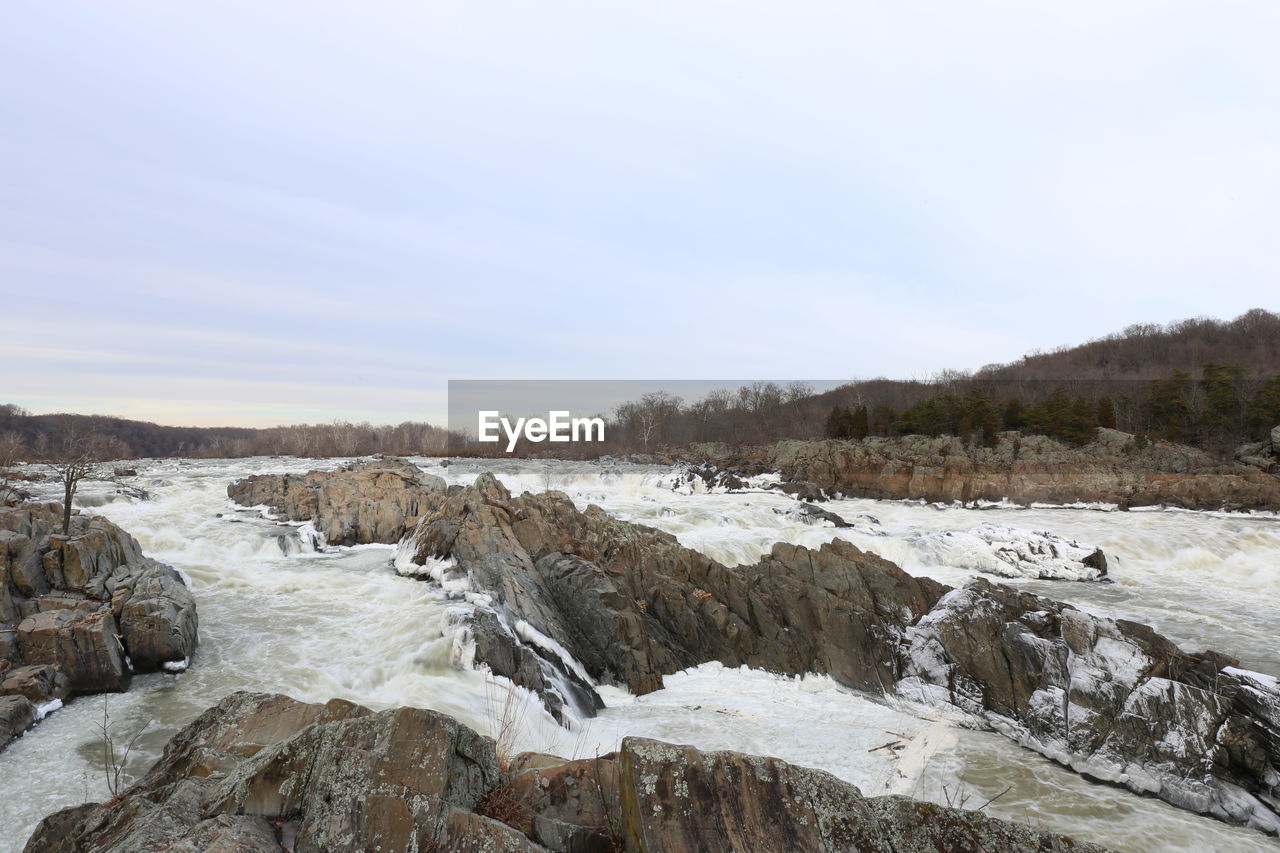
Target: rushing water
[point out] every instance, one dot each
(275, 615)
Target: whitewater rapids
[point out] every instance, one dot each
(280, 613)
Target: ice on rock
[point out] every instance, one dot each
(1010, 552)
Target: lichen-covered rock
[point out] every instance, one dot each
(573, 805)
(407, 765)
(259, 770)
(228, 834)
(677, 798)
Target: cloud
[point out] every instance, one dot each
(398, 193)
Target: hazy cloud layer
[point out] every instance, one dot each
(269, 212)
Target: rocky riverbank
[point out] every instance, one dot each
(560, 598)
(260, 772)
(376, 501)
(1113, 469)
(81, 613)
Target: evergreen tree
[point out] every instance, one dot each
(1013, 416)
(1223, 415)
(838, 422)
(860, 426)
(1106, 413)
(1263, 412)
(1169, 405)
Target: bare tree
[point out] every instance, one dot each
(77, 456)
(11, 453)
(114, 764)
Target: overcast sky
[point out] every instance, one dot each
(264, 212)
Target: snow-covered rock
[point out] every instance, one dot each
(1012, 552)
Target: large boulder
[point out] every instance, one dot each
(377, 501)
(83, 646)
(156, 613)
(677, 798)
(589, 598)
(258, 770)
(81, 612)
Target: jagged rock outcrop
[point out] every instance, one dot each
(1024, 469)
(994, 549)
(376, 501)
(258, 772)
(590, 595)
(82, 613)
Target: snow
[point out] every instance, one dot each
(1007, 551)
(533, 636)
(44, 709)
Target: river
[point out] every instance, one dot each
(279, 615)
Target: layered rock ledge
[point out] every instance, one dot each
(376, 501)
(561, 598)
(258, 772)
(81, 613)
(1025, 469)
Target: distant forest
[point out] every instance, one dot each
(43, 436)
(1213, 384)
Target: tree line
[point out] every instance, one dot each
(42, 437)
(1219, 409)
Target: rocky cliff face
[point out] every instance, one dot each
(1023, 469)
(81, 613)
(376, 501)
(258, 772)
(561, 597)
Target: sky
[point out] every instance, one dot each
(248, 213)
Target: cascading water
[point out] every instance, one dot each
(280, 613)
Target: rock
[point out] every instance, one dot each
(1263, 455)
(228, 834)
(574, 804)
(677, 798)
(80, 603)
(1024, 469)
(157, 615)
(23, 568)
(125, 472)
(258, 770)
(580, 592)
(1011, 552)
(411, 764)
(1107, 697)
(689, 478)
(812, 514)
(377, 501)
(16, 716)
(84, 646)
(40, 683)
